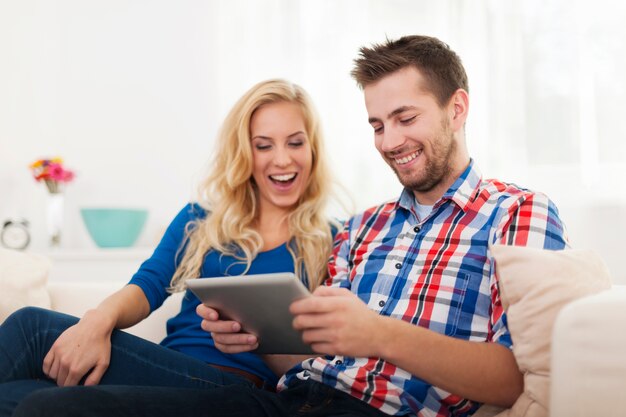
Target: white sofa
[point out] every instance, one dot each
(588, 356)
(588, 360)
(588, 376)
(75, 298)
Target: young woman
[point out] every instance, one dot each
(259, 210)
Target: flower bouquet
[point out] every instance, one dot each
(52, 173)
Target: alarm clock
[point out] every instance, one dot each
(15, 234)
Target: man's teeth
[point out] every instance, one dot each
(285, 177)
(407, 158)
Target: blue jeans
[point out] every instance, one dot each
(27, 335)
(303, 399)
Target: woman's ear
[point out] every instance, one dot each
(458, 109)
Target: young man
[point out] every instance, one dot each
(428, 333)
(411, 321)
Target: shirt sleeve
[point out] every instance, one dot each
(154, 275)
(532, 221)
(338, 263)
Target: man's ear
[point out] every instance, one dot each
(458, 109)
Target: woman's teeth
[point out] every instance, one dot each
(283, 178)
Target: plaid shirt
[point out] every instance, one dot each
(436, 272)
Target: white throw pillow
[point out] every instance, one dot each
(23, 279)
(534, 285)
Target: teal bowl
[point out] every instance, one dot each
(114, 227)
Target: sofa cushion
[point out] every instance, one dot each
(588, 361)
(534, 285)
(76, 297)
(23, 278)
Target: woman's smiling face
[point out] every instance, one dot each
(282, 155)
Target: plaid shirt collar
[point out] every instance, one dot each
(462, 192)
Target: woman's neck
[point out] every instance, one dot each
(273, 228)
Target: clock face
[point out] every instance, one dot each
(14, 235)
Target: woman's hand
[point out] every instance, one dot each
(82, 349)
(226, 334)
(336, 322)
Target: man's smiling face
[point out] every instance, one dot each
(412, 132)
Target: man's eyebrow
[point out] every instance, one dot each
(397, 111)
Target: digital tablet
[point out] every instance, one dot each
(260, 303)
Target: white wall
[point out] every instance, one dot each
(131, 93)
(121, 90)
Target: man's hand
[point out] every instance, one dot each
(82, 348)
(226, 334)
(336, 322)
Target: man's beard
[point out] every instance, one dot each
(436, 168)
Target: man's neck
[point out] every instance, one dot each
(430, 197)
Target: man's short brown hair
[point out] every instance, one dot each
(439, 65)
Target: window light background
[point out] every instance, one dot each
(132, 92)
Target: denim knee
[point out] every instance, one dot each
(25, 313)
(38, 318)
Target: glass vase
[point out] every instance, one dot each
(54, 218)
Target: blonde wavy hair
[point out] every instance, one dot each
(229, 195)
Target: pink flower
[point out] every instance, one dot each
(51, 172)
(56, 172)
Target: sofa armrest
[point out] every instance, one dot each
(75, 298)
(588, 361)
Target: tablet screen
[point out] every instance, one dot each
(260, 303)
